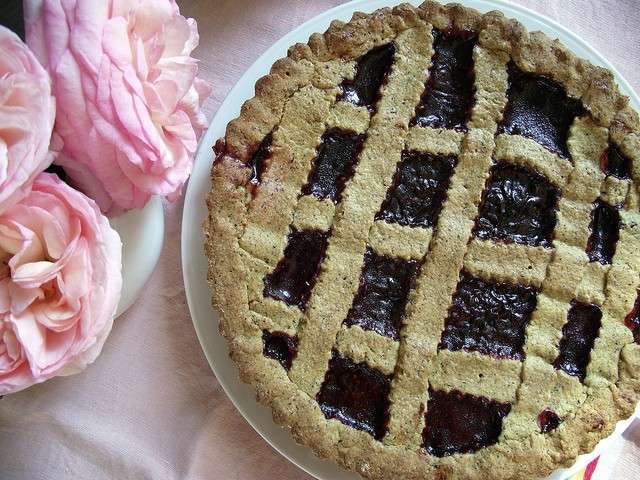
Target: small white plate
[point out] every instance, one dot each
(142, 234)
(194, 263)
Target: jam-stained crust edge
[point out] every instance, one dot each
(228, 213)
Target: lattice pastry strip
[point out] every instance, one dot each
(490, 100)
(615, 191)
(476, 374)
(395, 240)
(266, 313)
(620, 164)
(530, 154)
(347, 116)
(337, 283)
(425, 313)
(564, 316)
(439, 275)
(366, 346)
(622, 282)
(558, 290)
(438, 141)
(313, 213)
(448, 146)
(278, 320)
(345, 131)
(291, 154)
(407, 160)
(284, 158)
(507, 262)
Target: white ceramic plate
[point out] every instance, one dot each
(142, 234)
(194, 263)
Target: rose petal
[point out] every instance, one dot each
(45, 349)
(5, 298)
(55, 313)
(22, 297)
(27, 113)
(123, 75)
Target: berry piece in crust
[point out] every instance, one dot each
(548, 420)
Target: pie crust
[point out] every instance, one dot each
(539, 380)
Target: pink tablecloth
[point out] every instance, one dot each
(150, 408)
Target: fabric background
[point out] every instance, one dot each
(150, 407)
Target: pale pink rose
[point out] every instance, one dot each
(128, 95)
(60, 282)
(27, 113)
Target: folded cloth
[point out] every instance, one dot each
(620, 460)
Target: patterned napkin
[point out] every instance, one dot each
(587, 472)
(619, 461)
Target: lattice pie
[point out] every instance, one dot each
(424, 243)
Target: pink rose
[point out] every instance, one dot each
(60, 282)
(128, 96)
(27, 113)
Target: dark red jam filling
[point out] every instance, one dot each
(419, 189)
(460, 423)
(334, 164)
(357, 395)
(448, 97)
(372, 71)
(258, 160)
(578, 336)
(449, 93)
(614, 163)
(488, 317)
(280, 346)
(633, 320)
(605, 230)
(518, 205)
(548, 420)
(295, 275)
(382, 296)
(539, 108)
